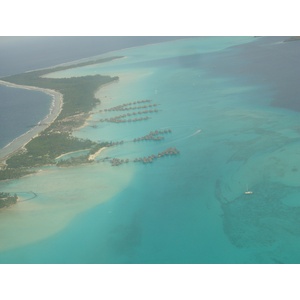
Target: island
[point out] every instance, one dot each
(6, 199)
(57, 139)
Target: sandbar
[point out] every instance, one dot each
(93, 156)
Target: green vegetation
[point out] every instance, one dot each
(82, 64)
(45, 148)
(78, 94)
(73, 161)
(78, 101)
(6, 199)
(97, 147)
(9, 173)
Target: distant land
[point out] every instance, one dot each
(293, 39)
(43, 55)
(57, 139)
(27, 53)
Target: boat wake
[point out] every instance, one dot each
(193, 134)
(197, 132)
(185, 137)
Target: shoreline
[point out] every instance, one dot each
(21, 141)
(58, 157)
(94, 110)
(73, 66)
(93, 156)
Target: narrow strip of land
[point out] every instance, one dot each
(93, 156)
(21, 141)
(73, 101)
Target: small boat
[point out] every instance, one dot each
(248, 192)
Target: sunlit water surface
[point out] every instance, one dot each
(188, 208)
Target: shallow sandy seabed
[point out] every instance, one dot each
(61, 195)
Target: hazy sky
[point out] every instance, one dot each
(20, 54)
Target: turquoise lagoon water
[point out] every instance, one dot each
(189, 208)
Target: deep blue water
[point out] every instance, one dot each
(21, 54)
(19, 111)
(191, 208)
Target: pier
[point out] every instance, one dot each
(153, 136)
(172, 151)
(130, 106)
(132, 113)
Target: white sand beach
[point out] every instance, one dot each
(93, 156)
(22, 140)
